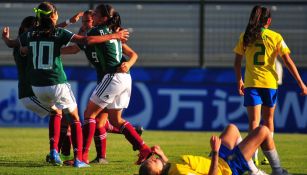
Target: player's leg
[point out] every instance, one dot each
(46, 96)
(65, 139)
(253, 102)
(269, 97)
(66, 101)
(89, 127)
(230, 136)
(115, 117)
(261, 137)
(100, 138)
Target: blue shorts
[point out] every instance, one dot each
(256, 96)
(234, 159)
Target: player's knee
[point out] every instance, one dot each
(233, 127)
(264, 130)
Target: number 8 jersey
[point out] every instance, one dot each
(44, 56)
(260, 59)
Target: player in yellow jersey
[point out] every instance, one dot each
(261, 46)
(227, 156)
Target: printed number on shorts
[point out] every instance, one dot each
(39, 61)
(259, 54)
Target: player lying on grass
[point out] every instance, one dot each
(227, 156)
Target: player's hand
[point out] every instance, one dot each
(122, 35)
(6, 33)
(124, 67)
(241, 88)
(304, 91)
(215, 143)
(76, 18)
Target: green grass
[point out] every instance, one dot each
(23, 151)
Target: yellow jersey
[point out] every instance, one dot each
(260, 59)
(197, 165)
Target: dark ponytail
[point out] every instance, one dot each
(27, 22)
(114, 21)
(253, 28)
(44, 24)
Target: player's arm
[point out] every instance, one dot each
(133, 56)
(72, 20)
(293, 70)
(6, 38)
(122, 35)
(158, 151)
(237, 69)
(73, 49)
(215, 143)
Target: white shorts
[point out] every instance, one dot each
(57, 97)
(113, 92)
(33, 104)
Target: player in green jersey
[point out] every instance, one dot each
(42, 45)
(102, 123)
(113, 92)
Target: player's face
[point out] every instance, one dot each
(97, 18)
(155, 164)
(54, 17)
(87, 21)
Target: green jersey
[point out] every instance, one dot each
(24, 86)
(109, 53)
(44, 60)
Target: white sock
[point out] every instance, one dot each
(272, 134)
(273, 158)
(252, 166)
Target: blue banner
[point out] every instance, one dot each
(169, 99)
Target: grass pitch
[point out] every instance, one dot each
(23, 151)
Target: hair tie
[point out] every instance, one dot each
(40, 11)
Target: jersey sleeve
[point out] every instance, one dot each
(282, 46)
(66, 36)
(239, 49)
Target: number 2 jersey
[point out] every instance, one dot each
(109, 53)
(260, 59)
(44, 57)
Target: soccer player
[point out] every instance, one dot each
(102, 124)
(42, 45)
(261, 46)
(113, 92)
(227, 156)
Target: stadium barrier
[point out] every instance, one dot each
(168, 99)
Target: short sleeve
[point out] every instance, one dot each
(239, 49)
(66, 36)
(282, 46)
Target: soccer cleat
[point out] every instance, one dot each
(259, 172)
(145, 153)
(80, 164)
(99, 161)
(55, 158)
(265, 161)
(283, 172)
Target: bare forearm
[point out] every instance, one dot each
(11, 43)
(214, 163)
(293, 70)
(237, 69)
(100, 39)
